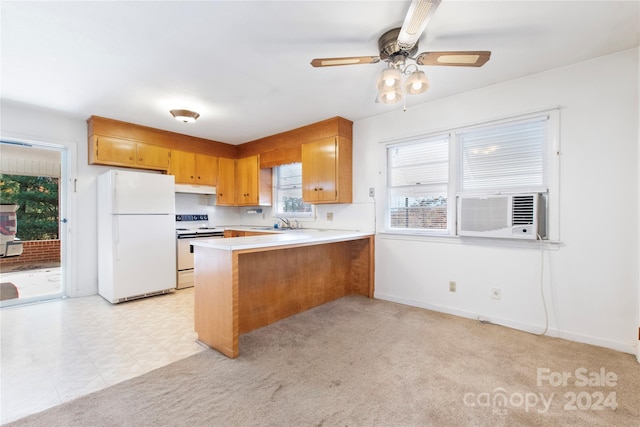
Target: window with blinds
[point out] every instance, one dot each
(418, 175)
(288, 192)
(510, 157)
(424, 176)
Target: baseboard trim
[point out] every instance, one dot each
(631, 348)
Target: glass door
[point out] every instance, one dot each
(32, 222)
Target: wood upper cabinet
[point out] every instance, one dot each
(253, 185)
(194, 168)
(247, 180)
(327, 171)
(183, 166)
(108, 150)
(241, 182)
(152, 156)
(225, 192)
(206, 169)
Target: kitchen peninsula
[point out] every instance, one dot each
(245, 283)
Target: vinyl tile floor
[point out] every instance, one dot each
(55, 351)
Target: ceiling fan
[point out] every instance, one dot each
(400, 45)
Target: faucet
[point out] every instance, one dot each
(285, 221)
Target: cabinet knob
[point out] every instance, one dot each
(140, 159)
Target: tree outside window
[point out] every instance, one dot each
(37, 198)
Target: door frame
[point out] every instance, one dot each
(67, 209)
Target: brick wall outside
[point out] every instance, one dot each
(34, 252)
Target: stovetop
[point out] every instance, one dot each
(194, 224)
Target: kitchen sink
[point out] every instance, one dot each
(276, 229)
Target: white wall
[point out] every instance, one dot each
(591, 278)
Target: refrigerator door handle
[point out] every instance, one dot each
(116, 235)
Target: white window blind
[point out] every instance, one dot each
(418, 175)
(288, 191)
(510, 157)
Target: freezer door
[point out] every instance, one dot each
(144, 254)
(142, 193)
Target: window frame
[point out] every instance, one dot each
(277, 189)
(455, 159)
(434, 138)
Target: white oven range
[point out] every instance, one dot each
(188, 228)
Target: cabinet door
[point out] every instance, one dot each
(319, 171)
(114, 151)
(183, 166)
(226, 182)
(206, 169)
(247, 181)
(152, 156)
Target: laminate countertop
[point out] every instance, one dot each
(275, 238)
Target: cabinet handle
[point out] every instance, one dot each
(140, 159)
(131, 158)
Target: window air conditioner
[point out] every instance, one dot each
(517, 216)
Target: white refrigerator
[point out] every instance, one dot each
(136, 235)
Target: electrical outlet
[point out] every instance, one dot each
(452, 286)
(372, 192)
(496, 293)
(329, 216)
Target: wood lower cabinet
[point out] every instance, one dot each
(327, 171)
(112, 151)
(194, 168)
(239, 290)
(242, 233)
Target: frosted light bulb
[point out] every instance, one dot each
(391, 96)
(416, 85)
(390, 81)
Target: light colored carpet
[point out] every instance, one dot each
(358, 361)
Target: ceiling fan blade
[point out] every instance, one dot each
(351, 60)
(460, 58)
(418, 16)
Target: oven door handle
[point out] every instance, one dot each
(200, 236)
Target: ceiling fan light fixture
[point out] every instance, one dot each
(390, 96)
(416, 83)
(185, 116)
(389, 78)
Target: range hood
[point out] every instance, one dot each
(195, 189)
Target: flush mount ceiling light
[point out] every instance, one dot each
(400, 45)
(185, 115)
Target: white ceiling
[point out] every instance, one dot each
(244, 65)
